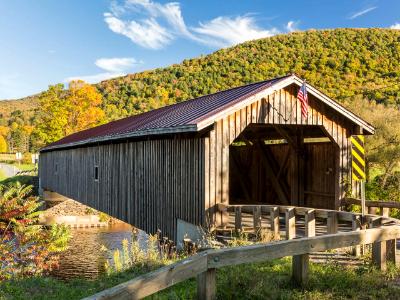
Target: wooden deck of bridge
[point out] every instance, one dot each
(321, 228)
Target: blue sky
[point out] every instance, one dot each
(53, 41)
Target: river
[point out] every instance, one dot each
(84, 257)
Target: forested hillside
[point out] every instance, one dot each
(341, 62)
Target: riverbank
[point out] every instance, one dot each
(270, 280)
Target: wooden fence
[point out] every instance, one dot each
(379, 231)
(372, 206)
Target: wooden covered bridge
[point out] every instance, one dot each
(246, 145)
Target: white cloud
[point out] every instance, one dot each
(226, 31)
(292, 26)
(113, 67)
(154, 25)
(147, 33)
(362, 12)
(116, 64)
(395, 26)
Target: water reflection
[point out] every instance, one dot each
(84, 257)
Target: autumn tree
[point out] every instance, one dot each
(383, 148)
(83, 106)
(63, 112)
(51, 114)
(3, 144)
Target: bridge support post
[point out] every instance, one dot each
(300, 262)
(206, 285)
(378, 248)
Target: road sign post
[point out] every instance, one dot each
(358, 166)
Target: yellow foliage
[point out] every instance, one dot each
(4, 130)
(84, 102)
(3, 144)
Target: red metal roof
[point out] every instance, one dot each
(181, 114)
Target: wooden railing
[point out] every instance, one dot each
(372, 206)
(27, 172)
(379, 231)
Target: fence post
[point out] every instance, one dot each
(391, 252)
(274, 217)
(390, 244)
(372, 210)
(355, 226)
(206, 285)
(378, 248)
(300, 262)
(290, 222)
(332, 222)
(238, 219)
(257, 218)
(385, 212)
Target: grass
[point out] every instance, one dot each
(23, 179)
(25, 167)
(2, 175)
(269, 280)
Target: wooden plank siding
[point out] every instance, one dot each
(148, 184)
(279, 108)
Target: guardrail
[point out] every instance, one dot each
(379, 231)
(372, 206)
(27, 172)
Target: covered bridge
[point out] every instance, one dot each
(245, 145)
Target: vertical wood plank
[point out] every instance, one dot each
(309, 223)
(274, 218)
(290, 222)
(256, 218)
(379, 248)
(206, 285)
(332, 222)
(238, 219)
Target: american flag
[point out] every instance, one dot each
(303, 98)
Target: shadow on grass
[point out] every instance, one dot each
(269, 280)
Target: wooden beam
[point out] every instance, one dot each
(238, 219)
(388, 204)
(257, 218)
(290, 222)
(274, 217)
(300, 262)
(379, 248)
(155, 281)
(261, 252)
(206, 285)
(301, 167)
(332, 222)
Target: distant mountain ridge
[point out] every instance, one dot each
(342, 63)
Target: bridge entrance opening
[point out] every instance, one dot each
(284, 165)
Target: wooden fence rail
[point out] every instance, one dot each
(204, 265)
(384, 206)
